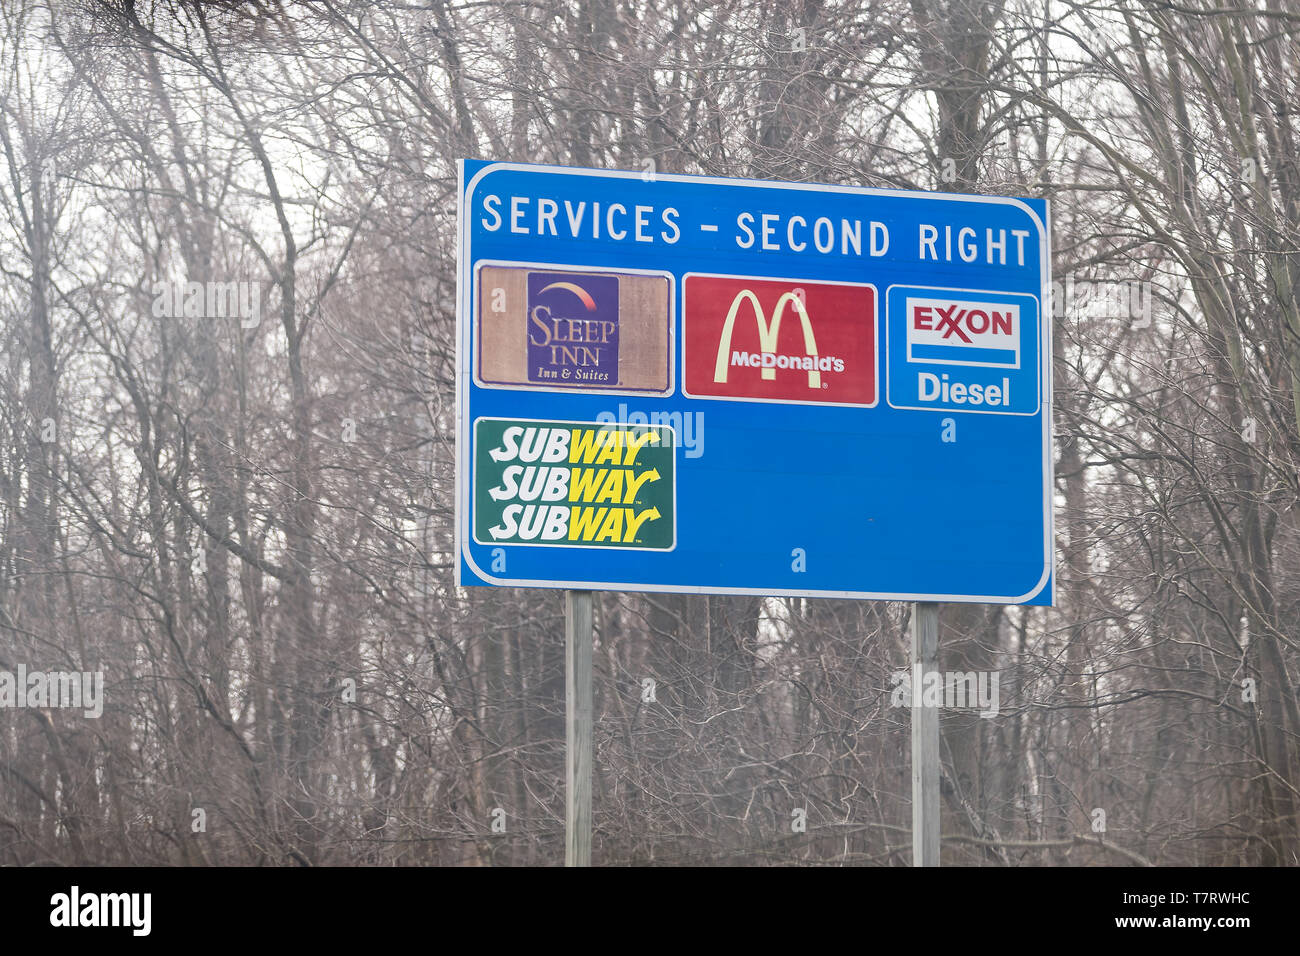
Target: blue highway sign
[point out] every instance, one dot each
(683, 383)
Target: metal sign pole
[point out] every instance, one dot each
(925, 739)
(578, 636)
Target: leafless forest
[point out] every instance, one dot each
(244, 519)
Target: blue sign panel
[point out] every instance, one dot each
(677, 383)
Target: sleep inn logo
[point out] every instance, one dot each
(572, 328)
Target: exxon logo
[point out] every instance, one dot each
(963, 332)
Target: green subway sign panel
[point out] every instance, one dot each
(574, 484)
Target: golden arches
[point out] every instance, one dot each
(767, 334)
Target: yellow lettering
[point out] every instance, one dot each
(634, 523)
(634, 483)
(611, 448)
(584, 482)
(612, 489)
(585, 444)
(635, 444)
(584, 521)
(612, 529)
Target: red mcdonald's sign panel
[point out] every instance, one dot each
(780, 340)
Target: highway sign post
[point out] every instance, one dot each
(701, 385)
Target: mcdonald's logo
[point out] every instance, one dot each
(737, 345)
(768, 334)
